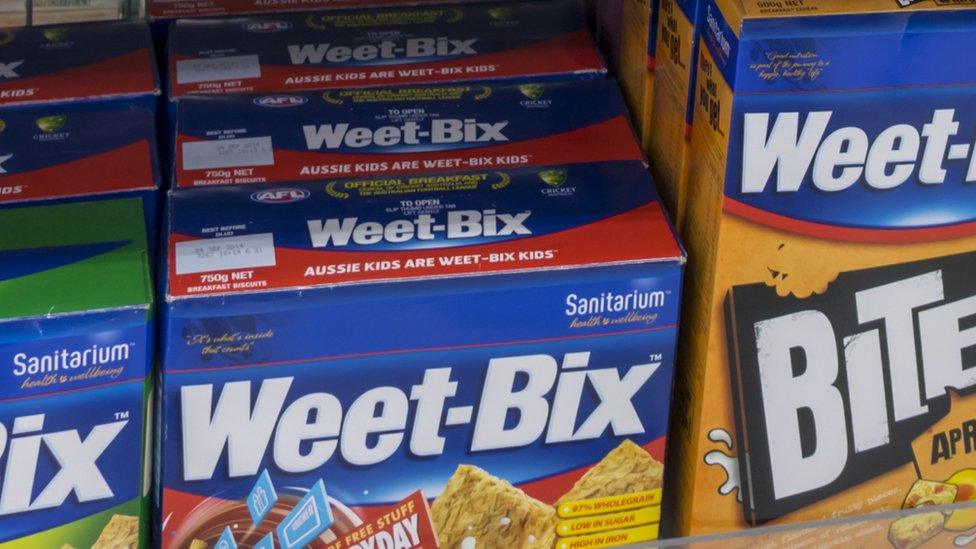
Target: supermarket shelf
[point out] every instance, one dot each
(860, 531)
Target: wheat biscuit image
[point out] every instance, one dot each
(481, 510)
(121, 532)
(627, 469)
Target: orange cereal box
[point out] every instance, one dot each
(830, 325)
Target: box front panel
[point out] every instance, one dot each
(532, 385)
(71, 477)
(839, 345)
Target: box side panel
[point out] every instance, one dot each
(634, 52)
(399, 130)
(71, 150)
(77, 62)
(489, 42)
(673, 77)
(697, 413)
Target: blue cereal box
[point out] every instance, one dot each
(831, 218)
(536, 40)
(349, 133)
(76, 344)
(390, 353)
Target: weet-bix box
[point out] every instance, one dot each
(111, 62)
(540, 40)
(76, 348)
(342, 133)
(832, 370)
(478, 358)
(636, 71)
(79, 152)
(672, 103)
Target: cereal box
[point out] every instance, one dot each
(110, 62)
(636, 71)
(537, 40)
(79, 152)
(458, 359)
(77, 113)
(238, 139)
(672, 106)
(76, 346)
(829, 368)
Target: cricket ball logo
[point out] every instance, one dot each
(532, 91)
(553, 178)
(51, 124)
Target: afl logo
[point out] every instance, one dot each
(267, 26)
(280, 101)
(280, 196)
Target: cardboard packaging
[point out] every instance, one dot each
(672, 106)
(828, 367)
(541, 40)
(636, 71)
(81, 63)
(76, 339)
(70, 152)
(238, 139)
(78, 115)
(494, 343)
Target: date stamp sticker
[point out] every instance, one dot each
(228, 253)
(228, 153)
(213, 69)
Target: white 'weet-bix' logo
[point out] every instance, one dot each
(303, 432)
(797, 148)
(76, 458)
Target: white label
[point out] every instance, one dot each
(212, 69)
(229, 153)
(220, 254)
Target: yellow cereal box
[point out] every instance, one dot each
(830, 325)
(636, 71)
(674, 81)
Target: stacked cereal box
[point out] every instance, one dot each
(828, 359)
(495, 343)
